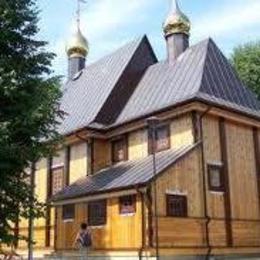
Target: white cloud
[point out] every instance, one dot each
(232, 18)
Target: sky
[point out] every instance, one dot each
(109, 24)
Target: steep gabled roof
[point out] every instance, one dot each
(130, 83)
(100, 86)
(202, 73)
(123, 175)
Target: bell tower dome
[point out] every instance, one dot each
(176, 31)
(77, 49)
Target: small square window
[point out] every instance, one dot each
(215, 178)
(119, 150)
(127, 204)
(97, 213)
(162, 139)
(57, 179)
(68, 212)
(176, 206)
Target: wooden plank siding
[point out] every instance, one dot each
(120, 232)
(232, 223)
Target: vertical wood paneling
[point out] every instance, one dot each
(78, 161)
(102, 154)
(226, 175)
(212, 152)
(242, 168)
(138, 144)
(119, 232)
(181, 131)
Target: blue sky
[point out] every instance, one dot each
(108, 24)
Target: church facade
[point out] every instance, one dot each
(160, 157)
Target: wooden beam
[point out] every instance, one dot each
(90, 156)
(227, 199)
(195, 126)
(257, 159)
(67, 165)
(49, 193)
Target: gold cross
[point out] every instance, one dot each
(79, 11)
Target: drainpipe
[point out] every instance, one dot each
(152, 126)
(204, 182)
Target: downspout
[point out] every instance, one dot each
(204, 182)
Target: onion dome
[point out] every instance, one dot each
(177, 21)
(77, 46)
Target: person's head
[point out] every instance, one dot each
(83, 226)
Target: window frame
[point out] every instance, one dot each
(53, 169)
(65, 217)
(124, 141)
(93, 222)
(219, 167)
(170, 213)
(150, 138)
(121, 201)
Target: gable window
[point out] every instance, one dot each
(97, 213)
(162, 139)
(119, 150)
(68, 212)
(215, 177)
(127, 204)
(177, 206)
(57, 182)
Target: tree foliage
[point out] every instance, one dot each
(29, 110)
(246, 60)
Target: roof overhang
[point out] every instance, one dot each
(99, 196)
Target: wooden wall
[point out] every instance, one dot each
(183, 178)
(242, 172)
(181, 131)
(120, 232)
(138, 144)
(78, 161)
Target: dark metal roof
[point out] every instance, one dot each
(123, 175)
(201, 72)
(84, 97)
(130, 83)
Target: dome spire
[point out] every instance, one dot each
(77, 46)
(176, 21)
(176, 31)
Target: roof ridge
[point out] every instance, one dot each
(135, 41)
(221, 81)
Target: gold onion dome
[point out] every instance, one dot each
(177, 21)
(77, 46)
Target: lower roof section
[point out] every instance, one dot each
(125, 175)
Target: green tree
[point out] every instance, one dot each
(29, 110)
(246, 60)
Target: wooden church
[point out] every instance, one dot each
(161, 158)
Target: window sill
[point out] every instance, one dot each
(217, 192)
(127, 214)
(97, 227)
(68, 220)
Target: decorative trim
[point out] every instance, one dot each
(227, 199)
(176, 192)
